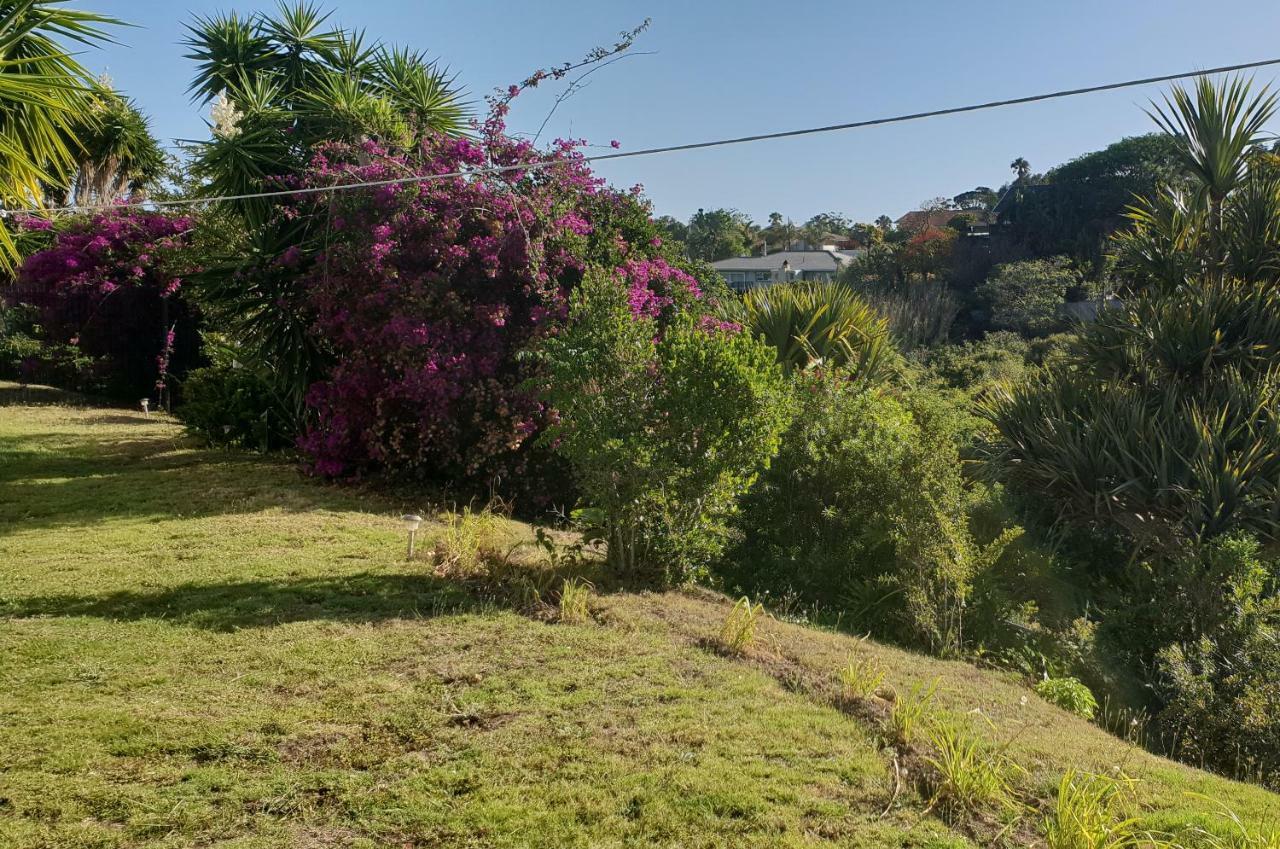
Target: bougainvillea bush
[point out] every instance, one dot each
(427, 296)
(105, 292)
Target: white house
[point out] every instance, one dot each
(748, 272)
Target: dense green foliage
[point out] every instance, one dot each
(229, 403)
(1028, 296)
(1000, 358)
(1081, 203)
(713, 234)
(667, 419)
(864, 512)
(1154, 445)
(1163, 425)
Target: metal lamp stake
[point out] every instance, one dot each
(411, 523)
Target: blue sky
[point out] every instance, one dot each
(723, 68)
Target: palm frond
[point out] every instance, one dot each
(43, 90)
(810, 324)
(1217, 125)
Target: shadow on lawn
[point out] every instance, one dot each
(56, 480)
(35, 395)
(362, 597)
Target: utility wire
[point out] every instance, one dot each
(677, 148)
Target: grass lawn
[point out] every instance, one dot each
(201, 648)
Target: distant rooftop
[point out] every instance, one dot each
(921, 220)
(798, 261)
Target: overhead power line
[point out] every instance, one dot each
(675, 148)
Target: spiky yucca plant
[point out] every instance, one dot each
(1164, 423)
(116, 151)
(812, 324)
(287, 81)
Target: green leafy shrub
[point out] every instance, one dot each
(666, 416)
(864, 510)
(1153, 448)
(1069, 694)
(227, 403)
(1028, 297)
(1219, 676)
(999, 357)
(18, 342)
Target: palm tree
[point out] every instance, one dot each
(116, 152)
(43, 93)
(285, 82)
(1021, 167)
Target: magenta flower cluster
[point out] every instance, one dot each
(101, 253)
(106, 285)
(429, 293)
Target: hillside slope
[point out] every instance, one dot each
(202, 648)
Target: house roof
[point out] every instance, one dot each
(799, 261)
(920, 220)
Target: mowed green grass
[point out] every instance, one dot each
(202, 648)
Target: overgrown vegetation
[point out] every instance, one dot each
(1155, 440)
(1081, 490)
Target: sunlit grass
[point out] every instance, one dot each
(204, 648)
(201, 648)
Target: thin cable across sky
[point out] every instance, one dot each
(676, 148)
